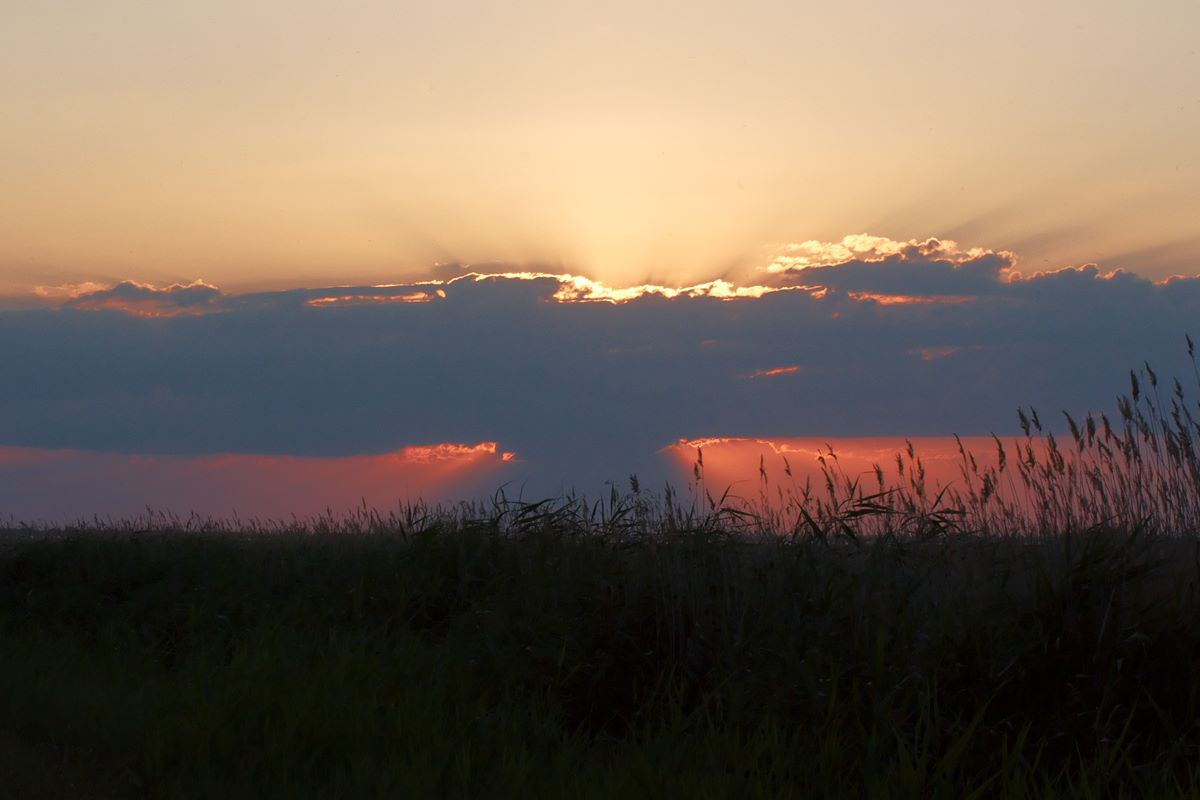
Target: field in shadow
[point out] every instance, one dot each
(1030, 632)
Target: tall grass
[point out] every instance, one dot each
(1141, 473)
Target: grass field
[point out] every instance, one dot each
(466, 658)
(899, 642)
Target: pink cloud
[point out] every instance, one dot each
(63, 485)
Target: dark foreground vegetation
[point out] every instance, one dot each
(545, 660)
(1039, 640)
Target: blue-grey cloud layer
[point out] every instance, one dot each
(583, 389)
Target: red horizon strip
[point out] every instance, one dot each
(413, 454)
(61, 485)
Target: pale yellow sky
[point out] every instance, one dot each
(258, 144)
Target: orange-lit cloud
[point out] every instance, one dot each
(65, 484)
(581, 378)
(335, 301)
(579, 289)
(776, 371)
(860, 268)
(873, 269)
(934, 353)
(909, 299)
(143, 300)
(740, 463)
(1085, 272)
(864, 247)
(426, 454)
(66, 291)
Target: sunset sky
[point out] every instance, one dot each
(675, 221)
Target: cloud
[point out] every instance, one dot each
(774, 372)
(790, 463)
(68, 290)
(864, 247)
(144, 300)
(69, 485)
(584, 381)
(889, 271)
(373, 298)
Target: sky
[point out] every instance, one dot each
(553, 239)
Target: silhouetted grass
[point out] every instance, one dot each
(541, 655)
(890, 642)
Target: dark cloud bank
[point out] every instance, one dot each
(921, 341)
